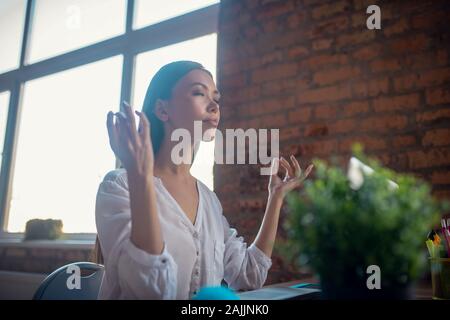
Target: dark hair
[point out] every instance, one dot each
(161, 87)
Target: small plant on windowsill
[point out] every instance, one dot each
(343, 222)
(39, 229)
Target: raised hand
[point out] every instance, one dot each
(293, 177)
(133, 147)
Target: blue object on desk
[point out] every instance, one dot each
(304, 285)
(216, 293)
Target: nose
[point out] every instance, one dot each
(213, 107)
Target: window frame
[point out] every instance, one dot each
(132, 42)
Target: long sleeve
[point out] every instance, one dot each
(244, 267)
(135, 273)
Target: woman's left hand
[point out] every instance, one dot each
(293, 177)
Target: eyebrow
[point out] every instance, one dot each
(204, 86)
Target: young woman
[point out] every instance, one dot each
(162, 232)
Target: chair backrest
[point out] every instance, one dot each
(61, 284)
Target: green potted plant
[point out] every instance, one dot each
(349, 225)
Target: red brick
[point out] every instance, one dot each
(278, 87)
(314, 130)
(274, 72)
(331, 9)
(323, 60)
(234, 81)
(432, 117)
(272, 26)
(369, 143)
(232, 67)
(384, 124)
(359, 20)
(407, 45)
(290, 133)
(343, 126)
(355, 108)
(353, 39)
(325, 111)
(438, 95)
(368, 52)
(330, 26)
(334, 93)
(398, 27)
(403, 102)
(318, 148)
(275, 9)
(267, 106)
(440, 177)
(428, 158)
(296, 19)
(298, 51)
(436, 137)
(423, 60)
(429, 20)
(370, 88)
(387, 64)
(251, 32)
(322, 44)
(442, 194)
(422, 79)
(268, 121)
(300, 114)
(403, 141)
(331, 76)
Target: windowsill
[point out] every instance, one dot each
(70, 241)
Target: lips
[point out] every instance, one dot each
(214, 122)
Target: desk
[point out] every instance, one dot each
(423, 290)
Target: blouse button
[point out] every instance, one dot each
(163, 260)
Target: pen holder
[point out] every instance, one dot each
(440, 277)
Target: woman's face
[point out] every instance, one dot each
(194, 98)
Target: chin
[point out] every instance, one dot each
(209, 135)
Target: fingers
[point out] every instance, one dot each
(287, 166)
(274, 167)
(298, 170)
(293, 183)
(131, 121)
(308, 170)
(123, 131)
(112, 131)
(144, 127)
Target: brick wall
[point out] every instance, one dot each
(29, 258)
(313, 69)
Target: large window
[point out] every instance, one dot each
(64, 64)
(152, 11)
(12, 18)
(63, 150)
(62, 25)
(4, 104)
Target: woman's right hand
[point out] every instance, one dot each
(133, 147)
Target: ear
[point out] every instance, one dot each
(161, 110)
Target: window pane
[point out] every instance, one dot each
(4, 106)
(202, 50)
(64, 25)
(152, 11)
(63, 150)
(12, 20)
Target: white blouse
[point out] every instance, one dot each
(194, 255)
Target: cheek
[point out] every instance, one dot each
(186, 113)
